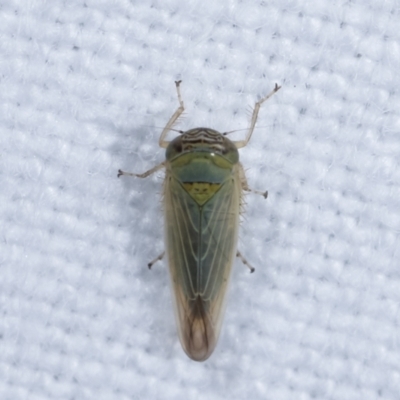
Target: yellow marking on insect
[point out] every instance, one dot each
(201, 191)
(203, 187)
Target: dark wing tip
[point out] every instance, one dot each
(199, 338)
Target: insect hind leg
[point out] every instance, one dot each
(158, 258)
(245, 262)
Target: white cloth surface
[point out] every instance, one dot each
(86, 88)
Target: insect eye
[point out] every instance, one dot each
(178, 147)
(174, 148)
(230, 152)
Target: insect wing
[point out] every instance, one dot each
(201, 244)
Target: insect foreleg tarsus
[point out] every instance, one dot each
(242, 143)
(245, 262)
(159, 258)
(245, 185)
(145, 174)
(162, 142)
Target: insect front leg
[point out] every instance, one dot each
(162, 142)
(145, 174)
(245, 185)
(242, 143)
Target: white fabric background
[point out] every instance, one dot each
(85, 89)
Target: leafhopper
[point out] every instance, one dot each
(203, 191)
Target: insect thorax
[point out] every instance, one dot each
(201, 160)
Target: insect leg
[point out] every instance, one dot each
(245, 185)
(245, 262)
(162, 142)
(159, 258)
(145, 174)
(241, 143)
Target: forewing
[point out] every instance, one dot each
(201, 244)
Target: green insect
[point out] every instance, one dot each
(203, 187)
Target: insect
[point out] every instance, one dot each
(203, 187)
